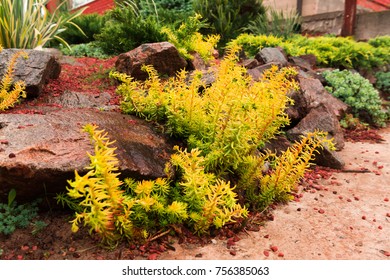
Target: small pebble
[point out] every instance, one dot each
(76, 255)
(274, 248)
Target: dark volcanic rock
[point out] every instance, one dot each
(316, 95)
(197, 62)
(322, 119)
(257, 72)
(250, 63)
(328, 158)
(163, 56)
(38, 153)
(278, 145)
(306, 62)
(35, 71)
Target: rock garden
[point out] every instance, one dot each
(195, 145)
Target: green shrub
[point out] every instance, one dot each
(125, 29)
(227, 18)
(288, 169)
(357, 92)
(330, 51)
(90, 24)
(114, 209)
(276, 23)
(178, 5)
(134, 210)
(383, 81)
(214, 121)
(380, 41)
(170, 12)
(187, 38)
(227, 121)
(223, 126)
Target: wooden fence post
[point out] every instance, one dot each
(349, 18)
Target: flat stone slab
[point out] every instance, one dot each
(39, 153)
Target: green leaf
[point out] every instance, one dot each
(11, 197)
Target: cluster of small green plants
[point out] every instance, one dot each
(383, 81)
(217, 177)
(358, 93)
(13, 216)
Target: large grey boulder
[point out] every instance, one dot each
(271, 55)
(163, 56)
(35, 71)
(39, 153)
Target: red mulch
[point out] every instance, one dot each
(84, 74)
(362, 135)
(81, 74)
